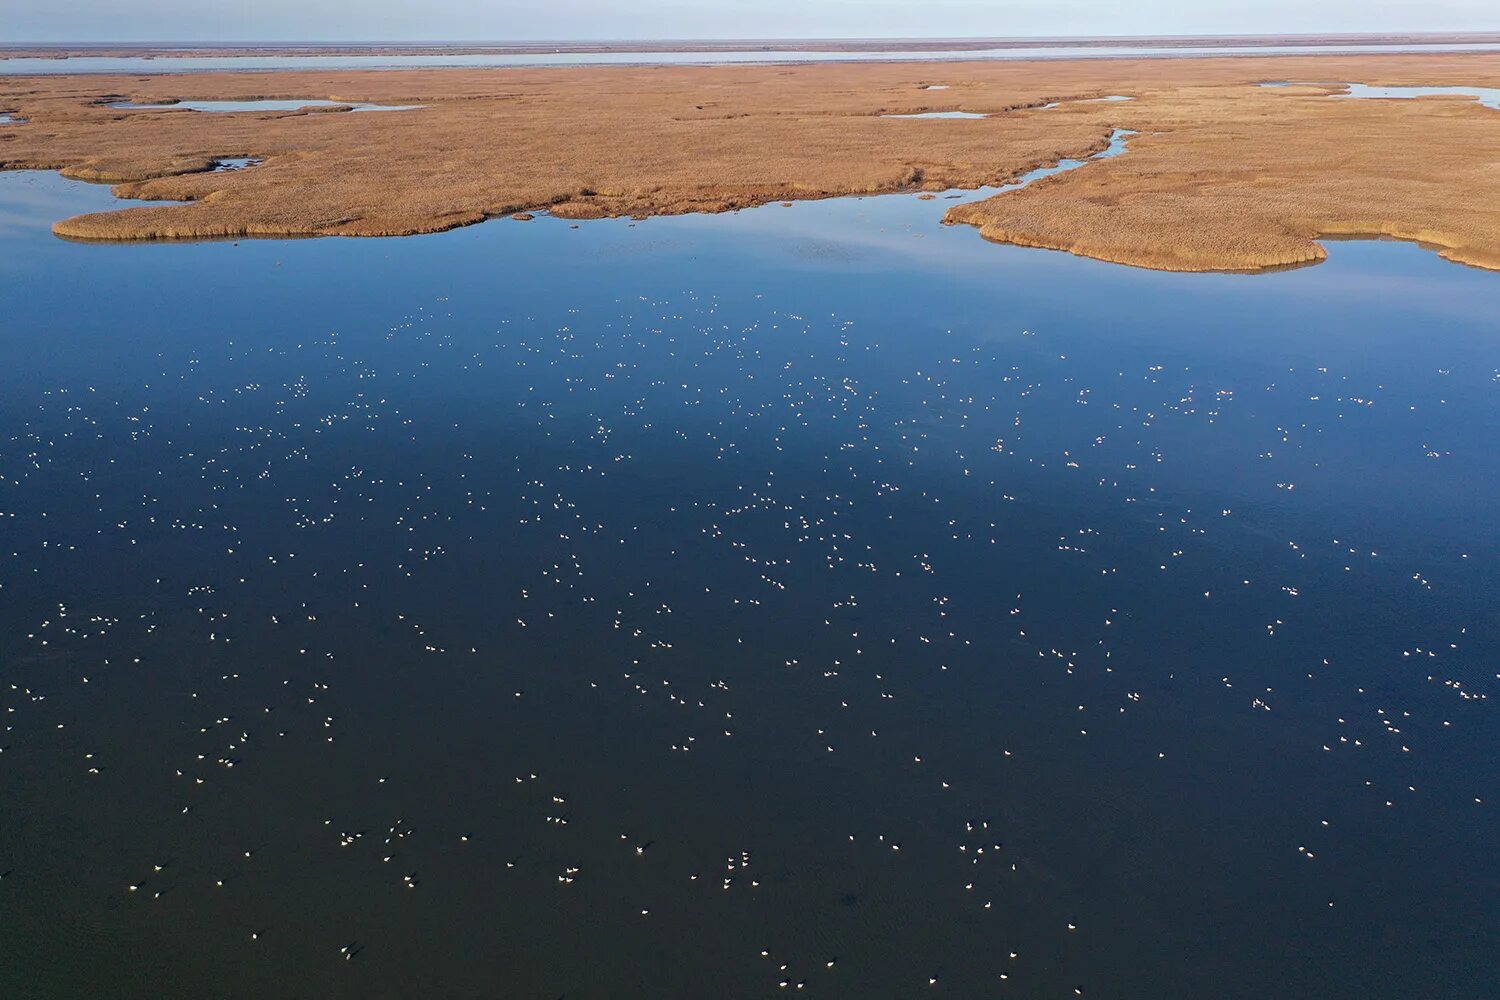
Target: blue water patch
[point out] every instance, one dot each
(1119, 140)
(229, 164)
(689, 606)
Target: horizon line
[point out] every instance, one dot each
(1371, 36)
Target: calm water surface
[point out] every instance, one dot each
(236, 163)
(1487, 96)
(296, 104)
(940, 114)
(812, 595)
(181, 64)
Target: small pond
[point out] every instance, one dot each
(221, 107)
(940, 114)
(1487, 96)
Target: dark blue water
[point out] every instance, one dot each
(813, 595)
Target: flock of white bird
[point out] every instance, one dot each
(822, 652)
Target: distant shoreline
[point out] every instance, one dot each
(148, 50)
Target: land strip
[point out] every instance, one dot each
(1223, 174)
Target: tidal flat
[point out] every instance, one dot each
(1226, 174)
(813, 599)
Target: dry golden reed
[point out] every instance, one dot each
(1223, 175)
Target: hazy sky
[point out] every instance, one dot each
(363, 20)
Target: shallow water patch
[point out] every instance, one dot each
(227, 107)
(940, 114)
(1487, 96)
(229, 164)
(1116, 147)
(1107, 99)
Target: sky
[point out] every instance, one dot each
(499, 20)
